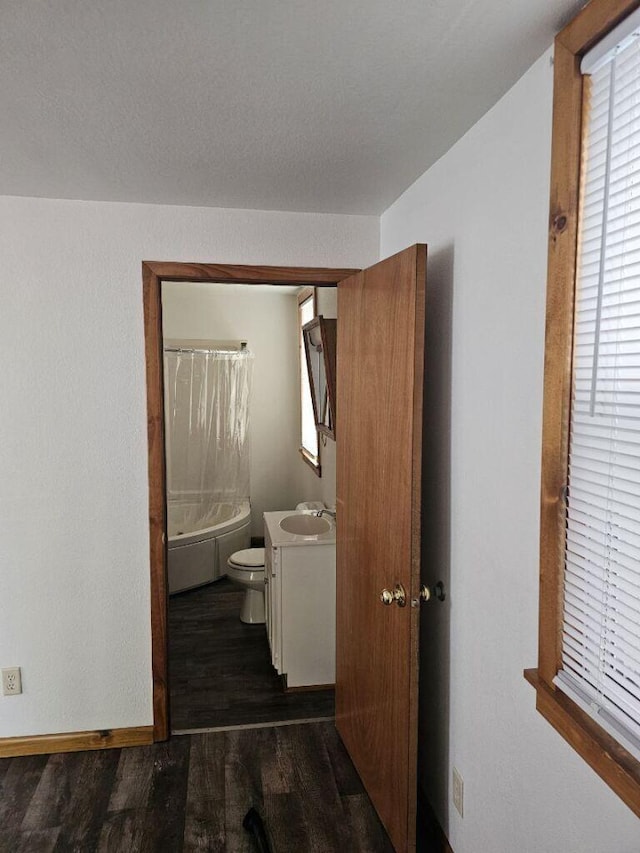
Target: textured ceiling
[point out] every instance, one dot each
(308, 105)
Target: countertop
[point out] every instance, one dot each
(280, 537)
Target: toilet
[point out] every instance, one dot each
(247, 569)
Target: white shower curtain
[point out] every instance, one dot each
(207, 431)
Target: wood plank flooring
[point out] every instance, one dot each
(220, 671)
(191, 794)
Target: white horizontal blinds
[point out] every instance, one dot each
(601, 622)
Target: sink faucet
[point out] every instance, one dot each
(328, 512)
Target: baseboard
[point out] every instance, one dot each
(11, 747)
(432, 830)
(304, 688)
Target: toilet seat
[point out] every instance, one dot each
(248, 560)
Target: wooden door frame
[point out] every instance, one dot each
(153, 274)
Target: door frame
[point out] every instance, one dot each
(153, 274)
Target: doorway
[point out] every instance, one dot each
(379, 590)
(153, 274)
(233, 433)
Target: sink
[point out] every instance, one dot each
(303, 524)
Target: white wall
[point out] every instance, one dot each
(74, 564)
(267, 318)
(483, 210)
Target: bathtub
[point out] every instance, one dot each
(197, 557)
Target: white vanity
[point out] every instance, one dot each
(300, 596)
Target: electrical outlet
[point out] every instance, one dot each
(458, 791)
(11, 681)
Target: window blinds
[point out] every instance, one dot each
(601, 617)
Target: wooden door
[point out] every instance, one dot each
(379, 437)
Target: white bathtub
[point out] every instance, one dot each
(200, 556)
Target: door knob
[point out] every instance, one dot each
(437, 592)
(386, 597)
(398, 595)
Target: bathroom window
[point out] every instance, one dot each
(588, 676)
(309, 444)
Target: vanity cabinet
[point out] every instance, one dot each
(300, 604)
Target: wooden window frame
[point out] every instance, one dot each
(616, 766)
(303, 296)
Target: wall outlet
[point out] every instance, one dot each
(11, 681)
(458, 792)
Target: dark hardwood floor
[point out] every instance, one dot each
(191, 794)
(220, 669)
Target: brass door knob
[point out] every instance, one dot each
(398, 595)
(428, 594)
(386, 597)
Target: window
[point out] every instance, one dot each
(309, 445)
(601, 615)
(588, 676)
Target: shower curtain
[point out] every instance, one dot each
(207, 431)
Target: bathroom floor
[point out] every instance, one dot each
(220, 669)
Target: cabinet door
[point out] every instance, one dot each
(268, 561)
(308, 595)
(275, 605)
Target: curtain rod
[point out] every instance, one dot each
(242, 348)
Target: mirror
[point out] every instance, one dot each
(320, 347)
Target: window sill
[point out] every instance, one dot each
(612, 762)
(315, 466)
